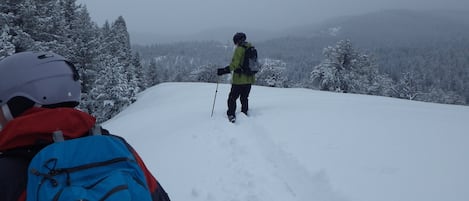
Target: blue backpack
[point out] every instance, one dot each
(91, 168)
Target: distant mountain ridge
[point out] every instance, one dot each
(376, 27)
(392, 26)
(223, 34)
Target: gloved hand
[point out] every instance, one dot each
(222, 71)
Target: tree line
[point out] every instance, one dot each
(431, 72)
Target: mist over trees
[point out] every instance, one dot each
(434, 71)
(343, 56)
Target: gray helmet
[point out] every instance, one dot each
(43, 77)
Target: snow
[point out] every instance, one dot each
(298, 145)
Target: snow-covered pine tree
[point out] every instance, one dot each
(120, 47)
(83, 43)
(408, 86)
(44, 21)
(110, 88)
(140, 72)
(330, 74)
(346, 70)
(115, 84)
(152, 77)
(272, 73)
(10, 13)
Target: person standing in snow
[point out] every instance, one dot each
(38, 95)
(240, 82)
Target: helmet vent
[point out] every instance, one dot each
(44, 56)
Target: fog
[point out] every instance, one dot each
(193, 16)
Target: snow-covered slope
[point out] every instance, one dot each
(298, 145)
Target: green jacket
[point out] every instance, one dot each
(236, 62)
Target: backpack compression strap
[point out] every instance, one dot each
(58, 135)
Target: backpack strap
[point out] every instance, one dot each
(58, 135)
(96, 130)
(243, 44)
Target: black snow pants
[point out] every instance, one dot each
(238, 91)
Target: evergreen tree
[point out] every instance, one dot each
(44, 21)
(115, 84)
(140, 72)
(152, 77)
(110, 88)
(272, 74)
(347, 70)
(120, 47)
(84, 35)
(408, 86)
(11, 22)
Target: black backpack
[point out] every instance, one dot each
(250, 66)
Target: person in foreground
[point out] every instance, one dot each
(38, 95)
(240, 82)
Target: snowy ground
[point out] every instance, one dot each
(298, 145)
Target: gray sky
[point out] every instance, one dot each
(191, 16)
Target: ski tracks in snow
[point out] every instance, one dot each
(261, 166)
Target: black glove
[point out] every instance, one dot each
(222, 71)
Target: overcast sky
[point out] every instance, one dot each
(191, 16)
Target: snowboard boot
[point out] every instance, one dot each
(245, 113)
(232, 118)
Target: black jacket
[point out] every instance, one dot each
(13, 173)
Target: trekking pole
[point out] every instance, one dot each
(215, 98)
